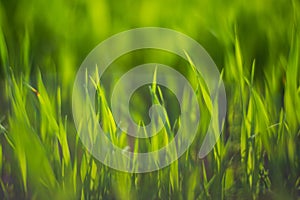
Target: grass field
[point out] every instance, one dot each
(256, 46)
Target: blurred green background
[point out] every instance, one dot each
(254, 43)
(61, 33)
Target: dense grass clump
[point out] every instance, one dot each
(256, 46)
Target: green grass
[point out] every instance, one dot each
(256, 47)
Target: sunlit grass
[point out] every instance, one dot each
(256, 47)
